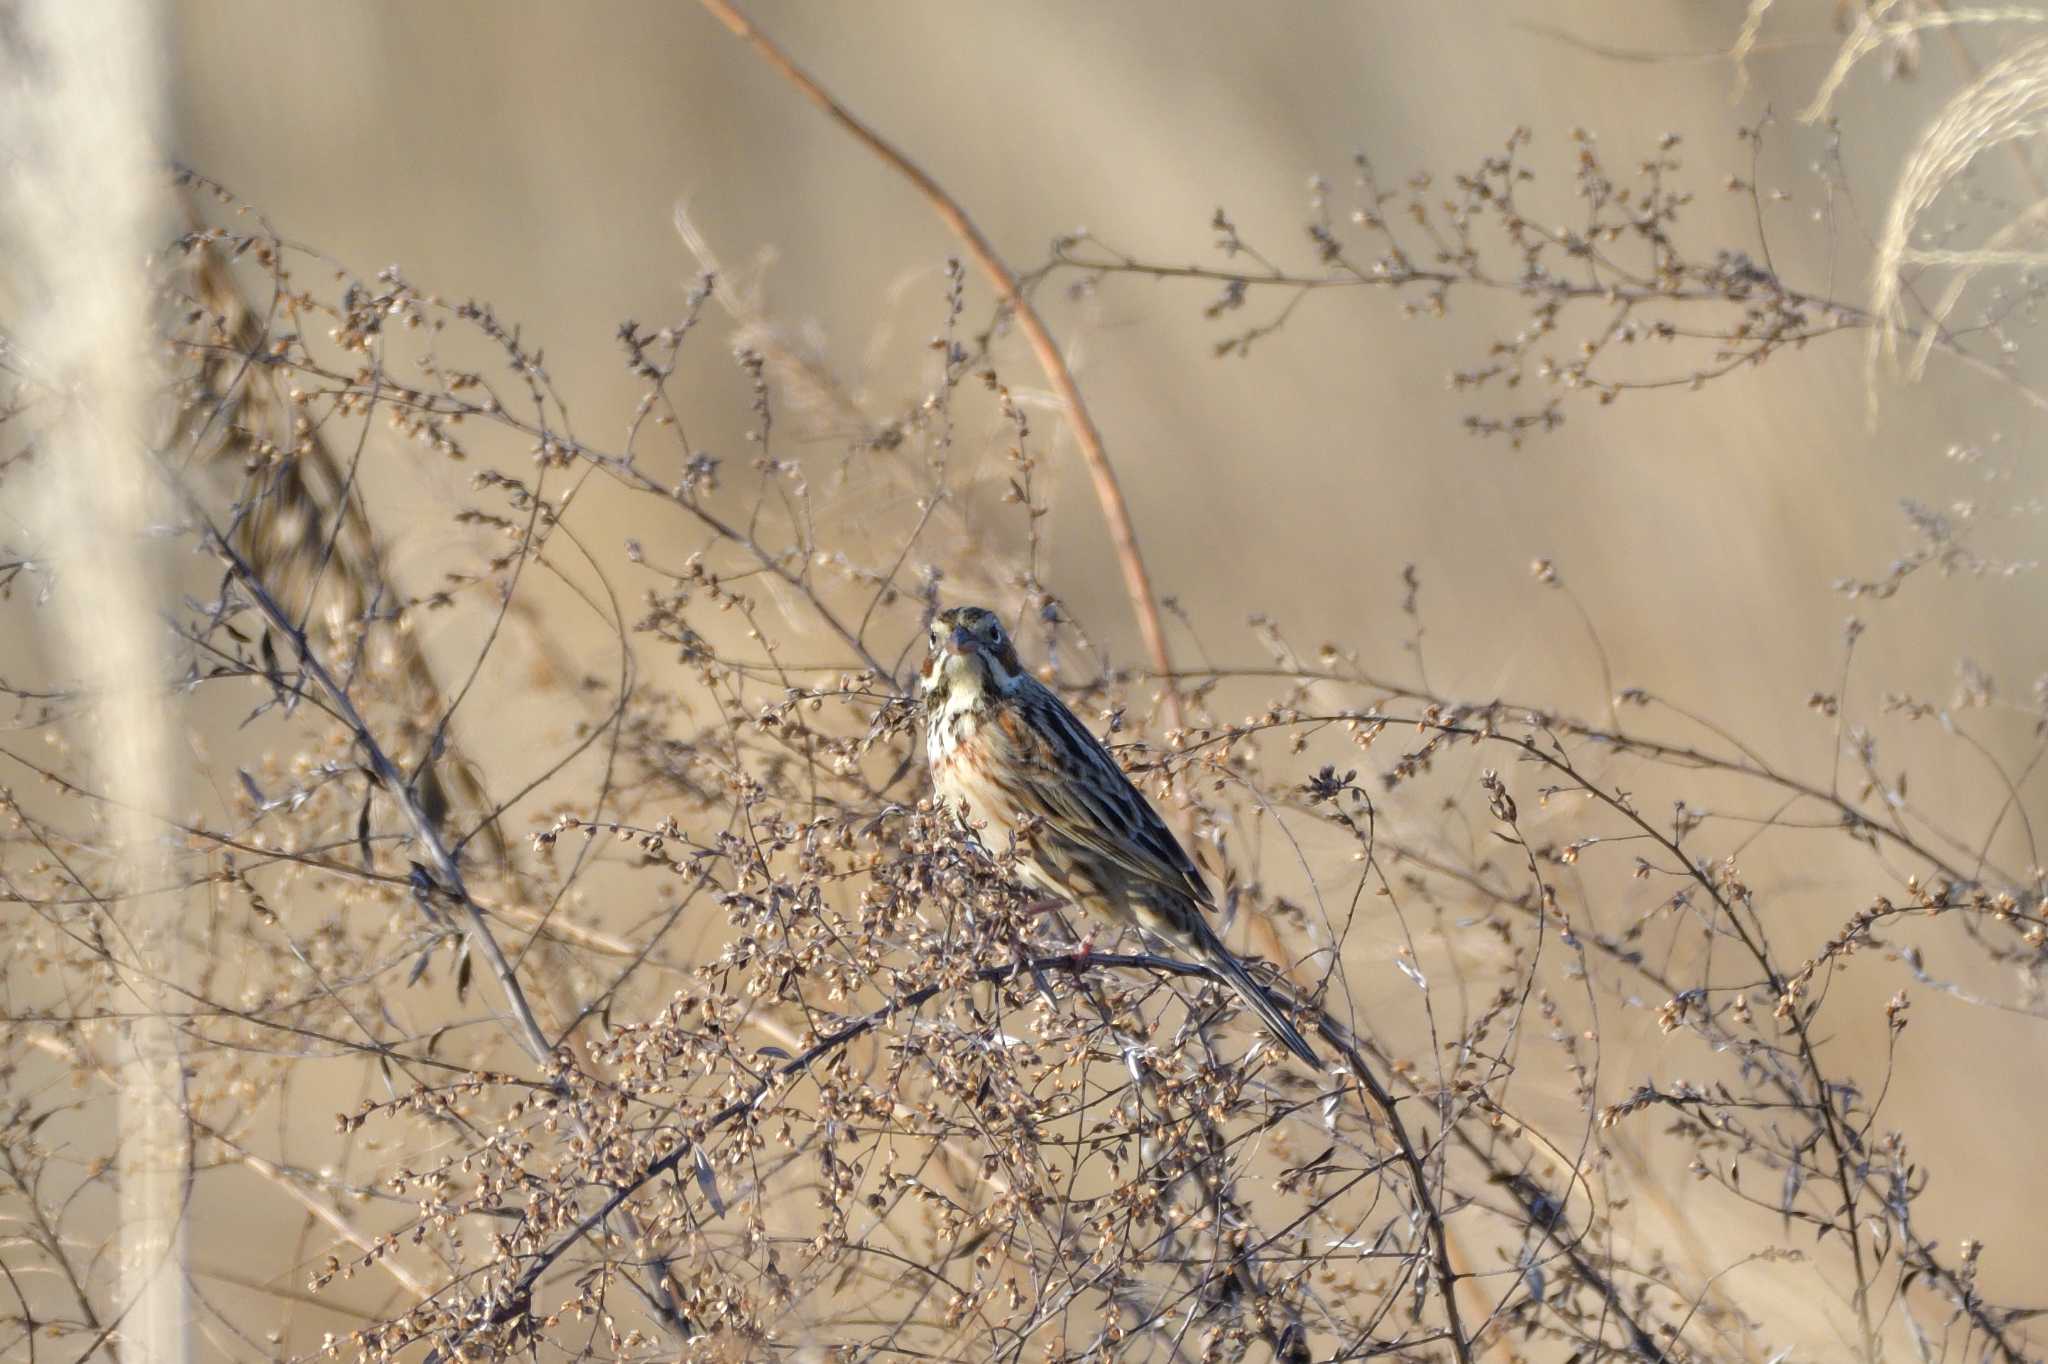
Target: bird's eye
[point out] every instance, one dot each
(995, 634)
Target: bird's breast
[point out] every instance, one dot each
(967, 750)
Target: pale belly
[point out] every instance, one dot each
(963, 778)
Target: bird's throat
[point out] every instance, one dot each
(963, 685)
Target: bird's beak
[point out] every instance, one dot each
(962, 641)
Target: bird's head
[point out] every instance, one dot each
(971, 656)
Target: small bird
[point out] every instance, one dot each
(1010, 757)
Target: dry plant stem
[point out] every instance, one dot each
(526, 1027)
(333, 1219)
(1806, 1048)
(1845, 1156)
(517, 1297)
(1411, 1160)
(1107, 490)
(1840, 1143)
(311, 530)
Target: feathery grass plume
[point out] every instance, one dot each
(1875, 28)
(2007, 104)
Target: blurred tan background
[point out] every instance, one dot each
(533, 155)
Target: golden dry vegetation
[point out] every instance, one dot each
(472, 887)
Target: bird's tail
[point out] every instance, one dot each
(1220, 959)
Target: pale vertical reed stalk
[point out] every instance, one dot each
(86, 211)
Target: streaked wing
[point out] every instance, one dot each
(1070, 779)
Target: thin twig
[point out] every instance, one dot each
(447, 874)
(1107, 489)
